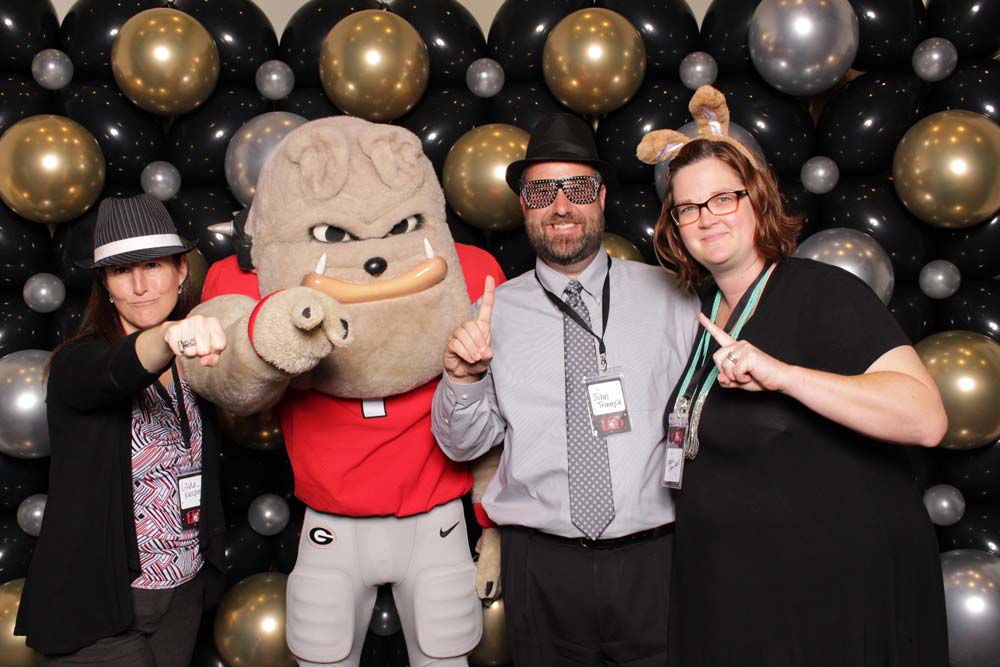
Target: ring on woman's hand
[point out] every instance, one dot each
(731, 357)
(183, 344)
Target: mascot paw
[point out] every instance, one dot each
(488, 564)
(297, 327)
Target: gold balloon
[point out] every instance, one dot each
(474, 172)
(621, 248)
(51, 168)
(374, 64)
(493, 649)
(250, 623)
(946, 169)
(197, 271)
(13, 652)
(261, 431)
(594, 60)
(966, 368)
(165, 61)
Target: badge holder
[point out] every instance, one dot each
(606, 402)
(673, 466)
(189, 490)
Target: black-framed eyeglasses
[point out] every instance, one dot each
(579, 190)
(723, 203)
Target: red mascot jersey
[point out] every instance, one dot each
(351, 464)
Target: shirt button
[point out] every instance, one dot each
(447, 421)
(465, 397)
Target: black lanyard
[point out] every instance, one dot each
(182, 412)
(572, 314)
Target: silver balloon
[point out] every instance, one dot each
(939, 279)
(30, 513)
(945, 504)
(44, 292)
(24, 433)
(268, 514)
(161, 180)
(52, 69)
(698, 69)
(819, 175)
(855, 252)
(803, 47)
(250, 147)
(661, 169)
(275, 80)
(485, 77)
(972, 601)
(935, 59)
(385, 618)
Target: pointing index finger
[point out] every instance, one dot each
(486, 303)
(720, 336)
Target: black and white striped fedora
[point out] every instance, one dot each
(133, 229)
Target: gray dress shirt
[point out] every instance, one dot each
(521, 400)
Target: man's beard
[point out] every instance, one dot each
(566, 253)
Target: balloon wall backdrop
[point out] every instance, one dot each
(878, 116)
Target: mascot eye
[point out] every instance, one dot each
(408, 225)
(331, 234)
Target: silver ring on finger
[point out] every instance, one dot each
(184, 343)
(732, 358)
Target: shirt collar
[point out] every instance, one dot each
(592, 277)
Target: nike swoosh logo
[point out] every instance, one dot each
(446, 533)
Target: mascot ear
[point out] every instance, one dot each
(322, 162)
(660, 145)
(396, 154)
(709, 109)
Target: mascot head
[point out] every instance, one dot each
(354, 209)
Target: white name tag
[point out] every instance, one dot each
(606, 400)
(190, 488)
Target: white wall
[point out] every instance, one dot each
(279, 11)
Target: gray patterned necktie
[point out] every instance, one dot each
(591, 502)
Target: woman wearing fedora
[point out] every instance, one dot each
(131, 547)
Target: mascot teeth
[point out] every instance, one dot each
(428, 250)
(321, 265)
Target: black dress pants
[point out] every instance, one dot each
(568, 605)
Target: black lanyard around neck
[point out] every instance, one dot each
(573, 315)
(181, 410)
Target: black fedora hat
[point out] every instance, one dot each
(558, 137)
(133, 229)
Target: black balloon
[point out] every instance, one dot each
(21, 97)
(89, 29)
(975, 307)
(975, 86)
(129, 137)
(21, 328)
(452, 34)
(26, 27)
(25, 249)
(518, 34)
(20, 478)
(669, 31)
(631, 211)
(66, 319)
(870, 205)
(512, 251)
(913, 310)
(979, 528)
(800, 203)
(242, 32)
(286, 543)
(523, 105)
(247, 552)
(195, 209)
(975, 250)
(974, 472)
(463, 232)
(781, 126)
(659, 104)
(441, 118)
(971, 25)
(724, 33)
(15, 549)
(197, 141)
(861, 127)
(889, 31)
(303, 36)
(310, 103)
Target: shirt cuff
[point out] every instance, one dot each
(462, 394)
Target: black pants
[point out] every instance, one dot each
(570, 606)
(162, 634)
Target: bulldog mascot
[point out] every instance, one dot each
(355, 287)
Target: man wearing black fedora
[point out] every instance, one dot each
(569, 368)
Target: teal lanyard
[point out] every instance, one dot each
(701, 356)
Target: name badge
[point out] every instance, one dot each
(673, 466)
(189, 491)
(606, 400)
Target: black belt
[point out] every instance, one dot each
(612, 543)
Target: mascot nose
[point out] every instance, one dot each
(376, 265)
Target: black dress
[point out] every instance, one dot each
(799, 542)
